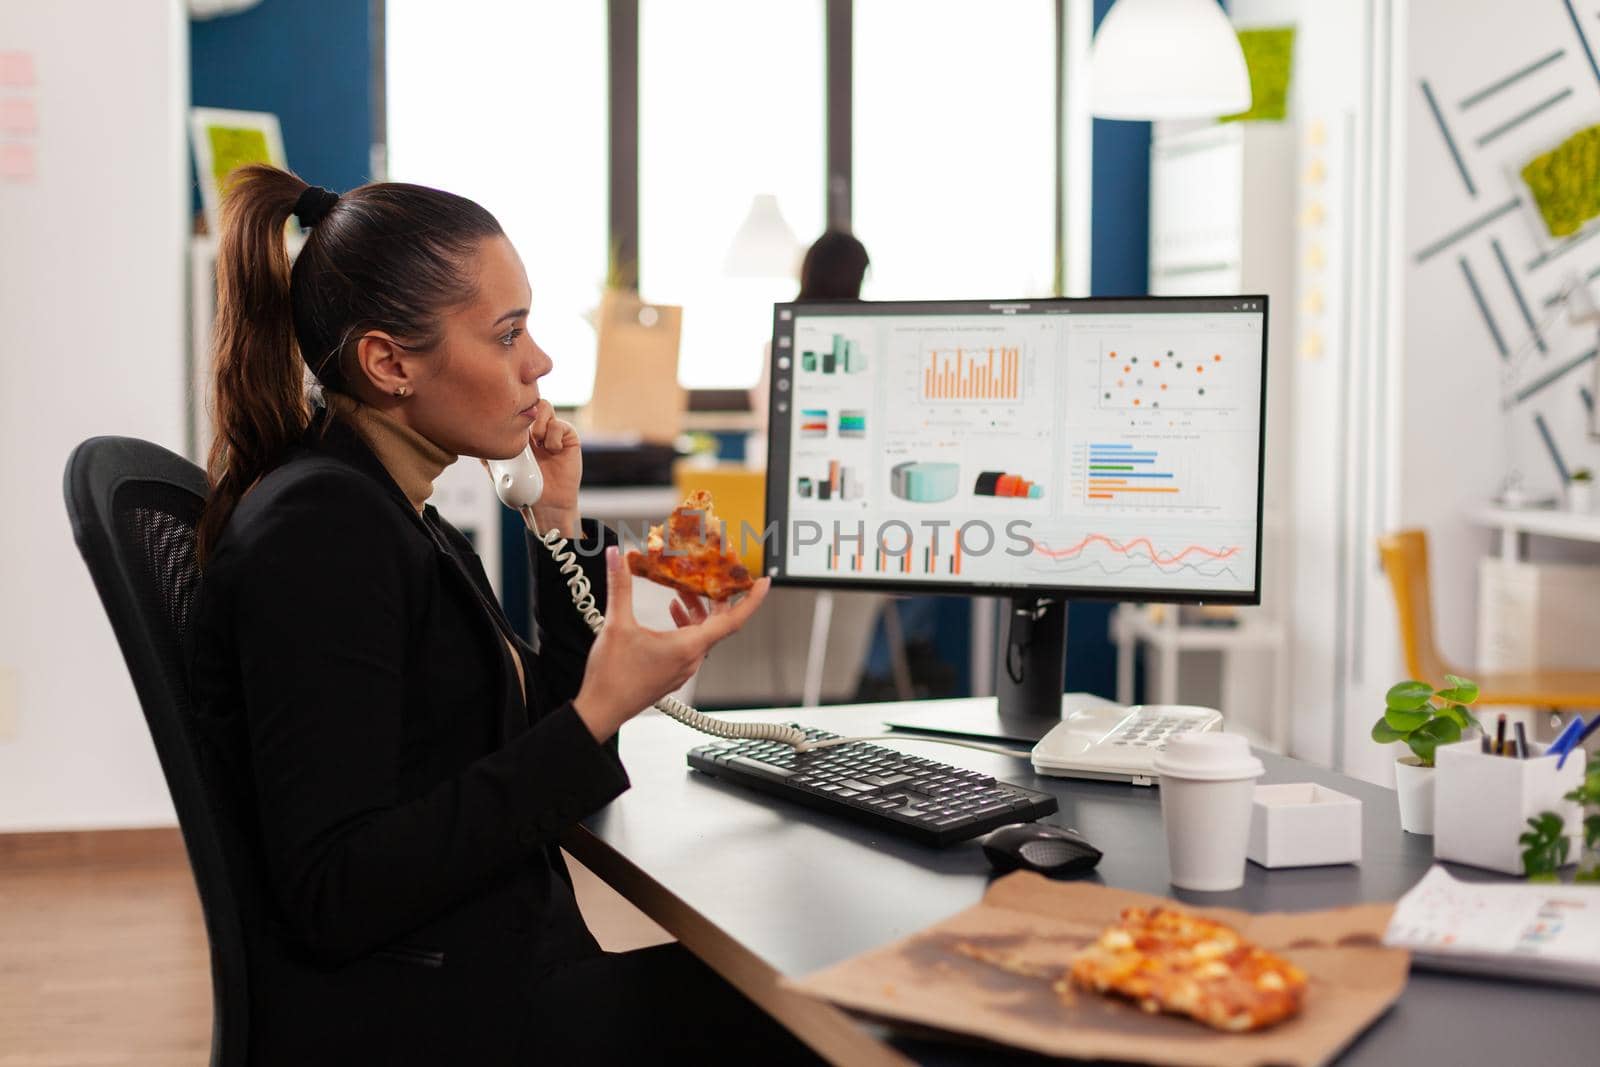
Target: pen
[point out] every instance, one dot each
(1588, 731)
(1522, 742)
(1566, 741)
(1500, 736)
(1483, 743)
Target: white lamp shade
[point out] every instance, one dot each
(1167, 59)
(764, 246)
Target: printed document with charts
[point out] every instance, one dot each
(1546, 931)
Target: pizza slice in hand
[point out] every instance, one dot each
(689, 553)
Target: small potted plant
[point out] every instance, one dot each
(1424, 718)
(1580, 491)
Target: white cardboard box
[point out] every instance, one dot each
(1302, 824)
(1537, 615)
(1482, 803)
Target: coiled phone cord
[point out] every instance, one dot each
(583, 599)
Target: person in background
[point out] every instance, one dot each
(396, 765)
(834, 268)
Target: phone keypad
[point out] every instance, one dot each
(1152, 732)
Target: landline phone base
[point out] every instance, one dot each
(1113, 743)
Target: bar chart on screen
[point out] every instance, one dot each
(989, 371)
(893, 562)
(832, 353)
(1166, 473)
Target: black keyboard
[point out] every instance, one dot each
(907, 795)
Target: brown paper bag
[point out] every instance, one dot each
(1039, 924)
(636, 390)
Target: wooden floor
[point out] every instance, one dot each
(103, 958)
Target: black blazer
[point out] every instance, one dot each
(399, 798)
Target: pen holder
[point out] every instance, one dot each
(1483, 803)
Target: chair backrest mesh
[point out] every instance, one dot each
(134, 508)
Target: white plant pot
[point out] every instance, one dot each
(1580, 497)
(1414, 785)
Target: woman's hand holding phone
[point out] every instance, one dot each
(555, 445)
(631, 667)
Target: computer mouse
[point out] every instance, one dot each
(1037, 846)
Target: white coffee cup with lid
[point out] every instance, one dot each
(1208, 783)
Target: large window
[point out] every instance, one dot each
(953, 172)
(731, 101)
(506, 104)
(955, 147)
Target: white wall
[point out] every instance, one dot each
(1398, 381)
(1458, 440)
(92, 341)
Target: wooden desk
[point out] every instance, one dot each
(760, 888)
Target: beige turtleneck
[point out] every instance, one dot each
(413, 461)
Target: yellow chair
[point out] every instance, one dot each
(738, 495)
(1405, 560)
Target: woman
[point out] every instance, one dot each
(400, 763)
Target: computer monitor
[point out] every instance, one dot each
(1105, 449)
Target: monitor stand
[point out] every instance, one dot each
(1029, 679)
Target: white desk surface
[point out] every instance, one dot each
(1550, 522)
(654, 502)
(1547, 522)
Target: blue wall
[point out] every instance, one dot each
(307, 61)
(1119, 266)
(1119, 202)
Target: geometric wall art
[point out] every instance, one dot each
(1518, 120)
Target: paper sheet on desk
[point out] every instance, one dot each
(1034, 921)
(1543, 931)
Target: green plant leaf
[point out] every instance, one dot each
(1403, 722)
(1408, 696)
(1461, 691)
(1430, 735)
(1591, 832)
(1456, 714)
(1587, 793)
(1546, 849)
(1385, 734)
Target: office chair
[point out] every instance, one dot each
(133, 507)
(1405, 560)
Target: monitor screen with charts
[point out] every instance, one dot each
(1097, 448)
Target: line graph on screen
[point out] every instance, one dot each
(1105, 555)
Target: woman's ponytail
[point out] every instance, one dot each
(257, 374)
